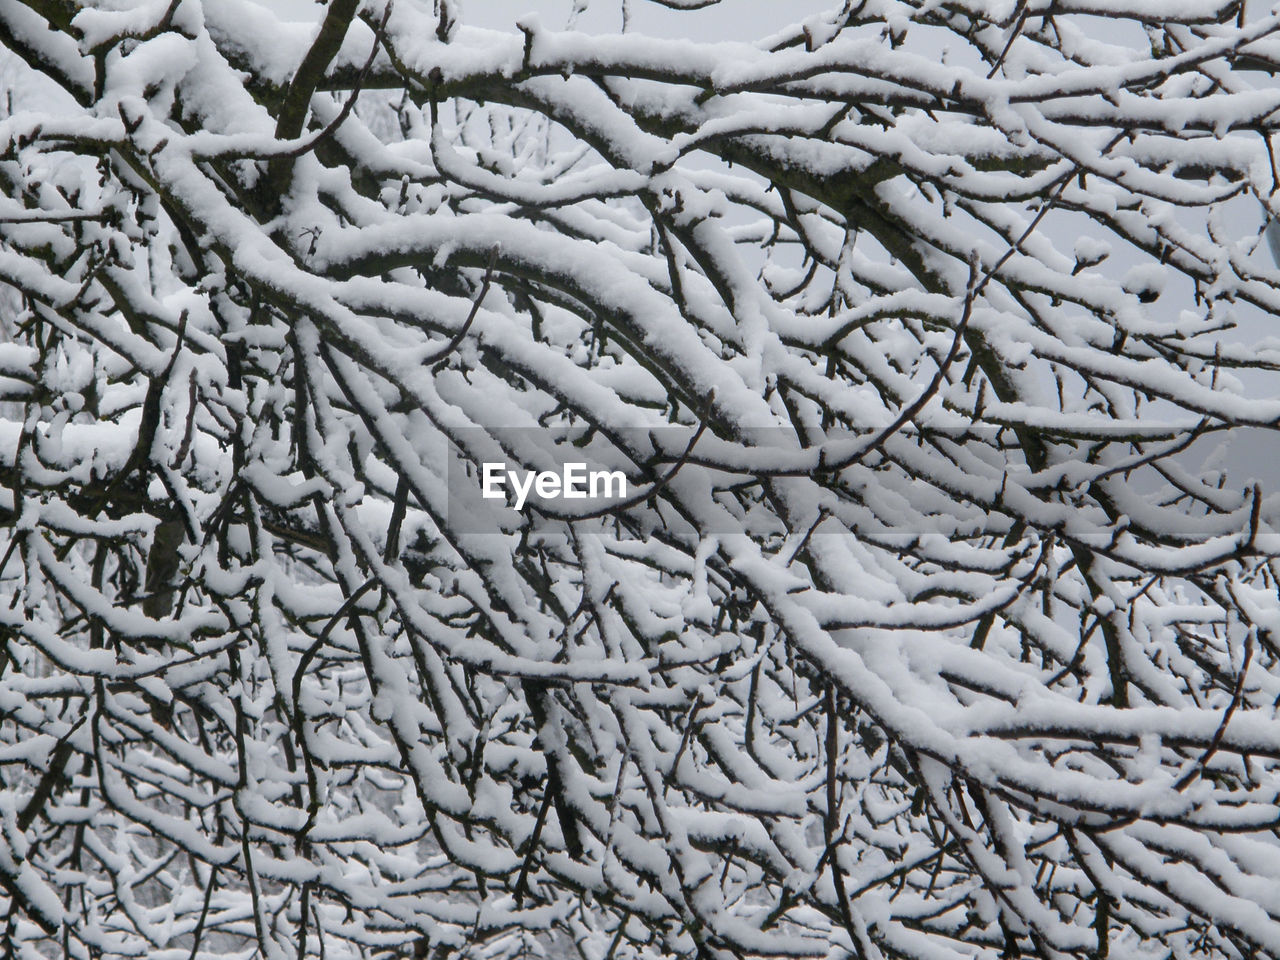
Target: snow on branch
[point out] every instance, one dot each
(922, 353)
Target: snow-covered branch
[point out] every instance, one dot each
(933, 630)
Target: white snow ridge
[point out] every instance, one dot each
(639, 479)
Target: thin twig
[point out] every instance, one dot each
(475, 310)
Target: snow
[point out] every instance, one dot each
(938, 629)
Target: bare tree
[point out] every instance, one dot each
(924, 628)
